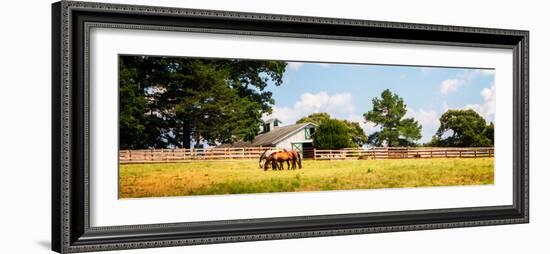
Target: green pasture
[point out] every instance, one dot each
(244, 176)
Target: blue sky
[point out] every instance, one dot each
(346, 91)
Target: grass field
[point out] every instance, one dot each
(244, 176)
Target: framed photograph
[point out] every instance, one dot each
(181, 126)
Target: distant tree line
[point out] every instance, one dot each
(459, 128)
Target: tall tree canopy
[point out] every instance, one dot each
(463, 128)
(388, 112)
(332, 134)
(171, 102)
(316, 118)
(356, 134)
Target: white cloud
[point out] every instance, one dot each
(487, 108)
(464, 78)
(339, 105)
(488, 93)
(429, 119)
(450, 85)
(424, 117)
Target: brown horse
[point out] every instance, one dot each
(278, 158)
(263, 158)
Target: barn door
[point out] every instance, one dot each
(299, 147)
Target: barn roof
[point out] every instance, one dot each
(271, 138)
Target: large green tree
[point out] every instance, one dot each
(463, 128)
(354, 131)
(171, 102)
(332, 134)
(316, 118)
(388, 112)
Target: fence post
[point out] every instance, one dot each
(475, 153)
(314, 153)
(459, 153)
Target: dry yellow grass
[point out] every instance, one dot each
(244, 176)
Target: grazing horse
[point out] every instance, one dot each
(278, 158)
(263, 158)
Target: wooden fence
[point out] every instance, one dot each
(403, 153)
(183, 154)
(180, 155)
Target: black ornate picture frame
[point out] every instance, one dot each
(71, 230)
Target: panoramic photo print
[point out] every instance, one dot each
(212, 126)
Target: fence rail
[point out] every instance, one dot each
(403, 153)
(182, 154)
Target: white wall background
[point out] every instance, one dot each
(25, 126)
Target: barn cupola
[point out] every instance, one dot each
(270, 124)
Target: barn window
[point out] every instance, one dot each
(309, 132)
